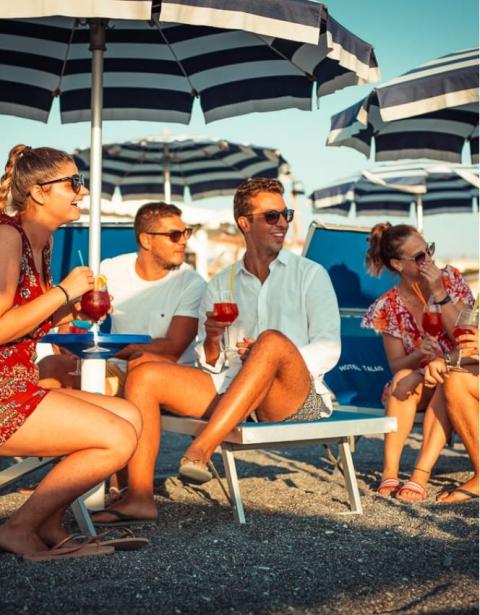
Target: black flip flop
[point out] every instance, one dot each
(471, 496)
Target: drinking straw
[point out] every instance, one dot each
(418, 292)
(80, 258)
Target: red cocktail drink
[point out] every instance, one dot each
(96, 304)
(432, 323)
(225, 312)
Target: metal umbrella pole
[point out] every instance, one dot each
(167, 184)
(97, 47)
(419, 213)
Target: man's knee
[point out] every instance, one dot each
(454, 384)
(147, 378)
(274, 339)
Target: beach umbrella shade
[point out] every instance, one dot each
(390, 189)
(429, 112)
(163, 167)
(268, 55)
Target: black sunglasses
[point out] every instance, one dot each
(273, 216)
(421, 257)
(175, 236)
(76, 181)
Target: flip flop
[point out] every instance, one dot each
(83, 549)
(412, 485)
(470, 496)
(121, 519)
(126, 541)
(388, 483)
(194, 470)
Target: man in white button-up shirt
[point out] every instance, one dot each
(287, 335)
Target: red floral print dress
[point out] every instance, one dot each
(19, 390)
(389, 314)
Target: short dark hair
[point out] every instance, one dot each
(150, 212)
(242, 205)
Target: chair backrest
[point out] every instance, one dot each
(362, 371)
(68, 240)
(341, 250)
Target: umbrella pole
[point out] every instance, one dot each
(97, 47)
(419, 213)
(167, 185)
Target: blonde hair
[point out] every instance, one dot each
(384, 244)
(25, 167)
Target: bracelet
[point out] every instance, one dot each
(444, 301)
(448, 360)
(67, 298)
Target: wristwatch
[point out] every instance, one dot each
(444, 301)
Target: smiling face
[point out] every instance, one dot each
(59, 201)
(414, 247)
(258, 233)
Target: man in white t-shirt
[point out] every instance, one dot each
(154, 292)
(286, 337)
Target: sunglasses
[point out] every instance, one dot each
(174, 236)
(273, 216)
(76, 181)
(421, 257)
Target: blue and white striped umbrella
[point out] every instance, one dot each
(391, 188)
(163, 167)
(429, 112)
(269, 56)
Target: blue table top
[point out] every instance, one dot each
(80, 342)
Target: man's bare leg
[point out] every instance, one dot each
(274, 381)
(461, 392)
(185, 391)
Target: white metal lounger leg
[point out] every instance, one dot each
(350, 477)
(82, 517)
(233, 485)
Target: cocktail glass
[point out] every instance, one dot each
(225, 310)
(96, 304)
(432, 320)
(467, 322)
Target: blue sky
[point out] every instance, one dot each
(404, 34)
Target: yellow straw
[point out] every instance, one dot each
(418, 292)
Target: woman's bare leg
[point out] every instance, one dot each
(94, 442)
(436, 432)
(403, 402)
(461, 392)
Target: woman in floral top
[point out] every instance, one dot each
(397, 315)
(93, 434)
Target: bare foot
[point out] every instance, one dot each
(19, 540)
(53, 534)
(134, 508)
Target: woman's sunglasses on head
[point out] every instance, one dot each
(273, 216)
(174, 236)
(76, 181)
(421, 257)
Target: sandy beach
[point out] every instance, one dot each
(299, 552)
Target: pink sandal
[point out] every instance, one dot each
(411, 485)
(388, 483)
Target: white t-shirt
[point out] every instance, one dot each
(147, 307)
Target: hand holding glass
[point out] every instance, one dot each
(225, 310)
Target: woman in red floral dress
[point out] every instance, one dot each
(397, 315)
(95, 435)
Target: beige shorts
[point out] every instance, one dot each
(115, 377)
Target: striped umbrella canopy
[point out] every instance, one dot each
(390, 189)
(163, 167)
(429, 112)
(268, 55)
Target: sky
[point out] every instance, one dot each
(404, 33)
